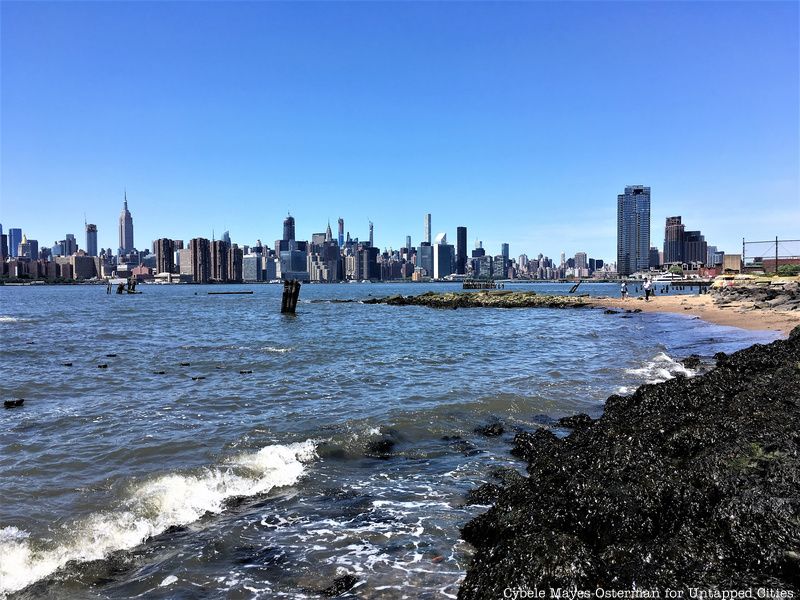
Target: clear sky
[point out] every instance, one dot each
(522, 121)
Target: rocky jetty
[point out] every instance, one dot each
(485, 298)
(690, 483)
(783, 296)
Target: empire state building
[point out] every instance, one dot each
(125, 228)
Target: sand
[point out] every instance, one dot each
(735, 314)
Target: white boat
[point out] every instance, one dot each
(667, 277)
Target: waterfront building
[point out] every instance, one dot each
(695, 248)
(428, 228)
(200, 251)
(165, 255)
(482, 266)
(14, 240)
(219, 261)
(425, 258)
(633, 229)
(185, 262)
(655, 261)
(235, 260)
(443, 257)
(674, 239)
(461, 250)
(251, 268)
(83, 266)
(125, 228)
(91, 239)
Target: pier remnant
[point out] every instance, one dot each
(291, 292)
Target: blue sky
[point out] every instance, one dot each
(522, 121)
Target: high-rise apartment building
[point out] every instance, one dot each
(461, 250)
(341, 232)
(125, 228)
(674, 239)
(633, 230)
(91, 239)
(428, 228)
(200, 249)
(219, 261)
(165, 255)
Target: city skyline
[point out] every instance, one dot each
(522, 137)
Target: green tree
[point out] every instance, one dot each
(789, 270)
(676, 269)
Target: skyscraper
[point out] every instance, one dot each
(125, 228)
(674, 237)
(200, 250)
(461, 250)
(633, 229)
(288, 228)
(443, 257)
(371, 239)
(165, 255)
(91, 239)
(14, 240)
(341, 232)
(428, 228)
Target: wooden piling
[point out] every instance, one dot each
(291, 293)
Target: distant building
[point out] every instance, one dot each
(235, 263)
(633, 230)
(185, 262)
(14, 240)
(288, 228)
(655, 261)
(695, 248)
(341, 232)
(165, 255)
(428, 228)
(443, 257)
(219, 261)
(461, 250)
(425, 258)
(581, 261)
(91, 239)
(200, 249)
(252, 268)
(674, 238)
(125, 228)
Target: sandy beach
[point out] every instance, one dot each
(736, 314)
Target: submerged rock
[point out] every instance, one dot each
(689, 482)
(340, 585)
(490, 430)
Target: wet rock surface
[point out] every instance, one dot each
(694, 482)
(776, 296)
(485, 298)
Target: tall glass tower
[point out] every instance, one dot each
(633, 230)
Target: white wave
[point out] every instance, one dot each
(659, 369)
(274, 349)
(7, 319)
(151, 509)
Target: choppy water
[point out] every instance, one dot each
(205, 481)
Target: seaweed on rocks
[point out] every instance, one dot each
(693, 482)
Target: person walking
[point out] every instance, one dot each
(623, 290)
(647, 289)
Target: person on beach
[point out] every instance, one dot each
(646, 288)
(623, 290)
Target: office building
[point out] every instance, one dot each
(288, 228)
(125, 228)
(371, 238)
(695, 248)
(251, 267)
(461, 250)
(674, 239)
(581, 261)
(443, 257)
(655, 259)
(425, 258)
(91, 239)
(633, 230)
(341, 232)
(14, 240)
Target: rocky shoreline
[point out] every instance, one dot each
(690, 483)
(484, 299)
(785, 296)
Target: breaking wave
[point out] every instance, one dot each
(151, 508)
(660, 368)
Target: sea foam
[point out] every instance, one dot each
(150, 509)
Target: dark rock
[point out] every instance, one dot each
(691, 480)
(158, 372)
(198, 377)
(490, 430)
(185, 364)
(245, 371)
(691, 362)
(720, 357)
(111, 355)
(488, 493)
(66, 364)
(340, 585)
(609, 311)
(579, 421)
(13, 403)
(103, 366)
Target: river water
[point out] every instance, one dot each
(285, 451)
